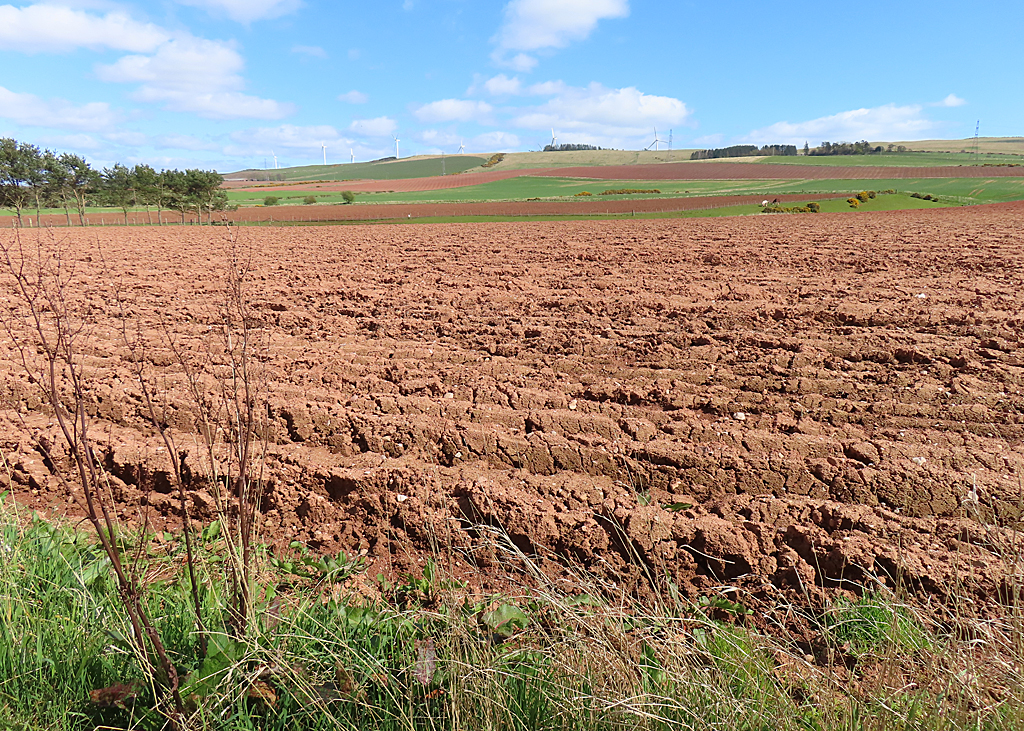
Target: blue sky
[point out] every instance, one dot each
(227, 84)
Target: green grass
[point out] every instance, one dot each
(419, 167)
(964, 191)
(897, 202)
(953, 191)
(960, 190)
(425, 654)
(872, 624)
(899, 160)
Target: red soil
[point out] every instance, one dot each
(400, 186)
(822, 399)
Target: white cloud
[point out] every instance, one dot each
(453, 110)
(523, 62)
(44, 27)
(246, 11)
(888, 122)
(197, 75)
(439, 139)
(952, 101)
(77, 142)
(608, 117)
(133, 139)
(315, 51)
(533, 25)
(502, 85)
(33, 111)
(184, 142)
(301, 145)
(710, 140)
(547, 88)
(262, 140)
(495, 142)
(377, 127)
(354, 97)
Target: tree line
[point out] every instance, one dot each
(31, 178)
(847, 148)
(745, 151)
(570, 147)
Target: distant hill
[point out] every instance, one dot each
(413, 167)
(424, 166)
(587, 158)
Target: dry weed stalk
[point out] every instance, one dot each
(46, 325)
(227, 386)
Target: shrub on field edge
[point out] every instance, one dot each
(309, 200)
(863, 196)
(271, 200)
(628, 191)
(854, 203)
(583, 192)
(809, 208)
(494, 160)
(348, 196)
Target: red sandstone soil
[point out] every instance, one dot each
(406, 185)
(816, 396)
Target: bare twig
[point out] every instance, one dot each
(45, 328)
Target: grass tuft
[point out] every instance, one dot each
(424, 653)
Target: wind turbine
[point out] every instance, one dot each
(396, 146)
(462, 147)
(275, 159)
(352, 153)
(324, 146)
(656, 143)
(553, 138)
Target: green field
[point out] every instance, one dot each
(417, 167)
(954, 191)
(958, 190)
(895, 160)
(897, 202)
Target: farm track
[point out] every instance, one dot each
(815, 396)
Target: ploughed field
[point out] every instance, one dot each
(788, 405)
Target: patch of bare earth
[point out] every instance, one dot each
(788, 405)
